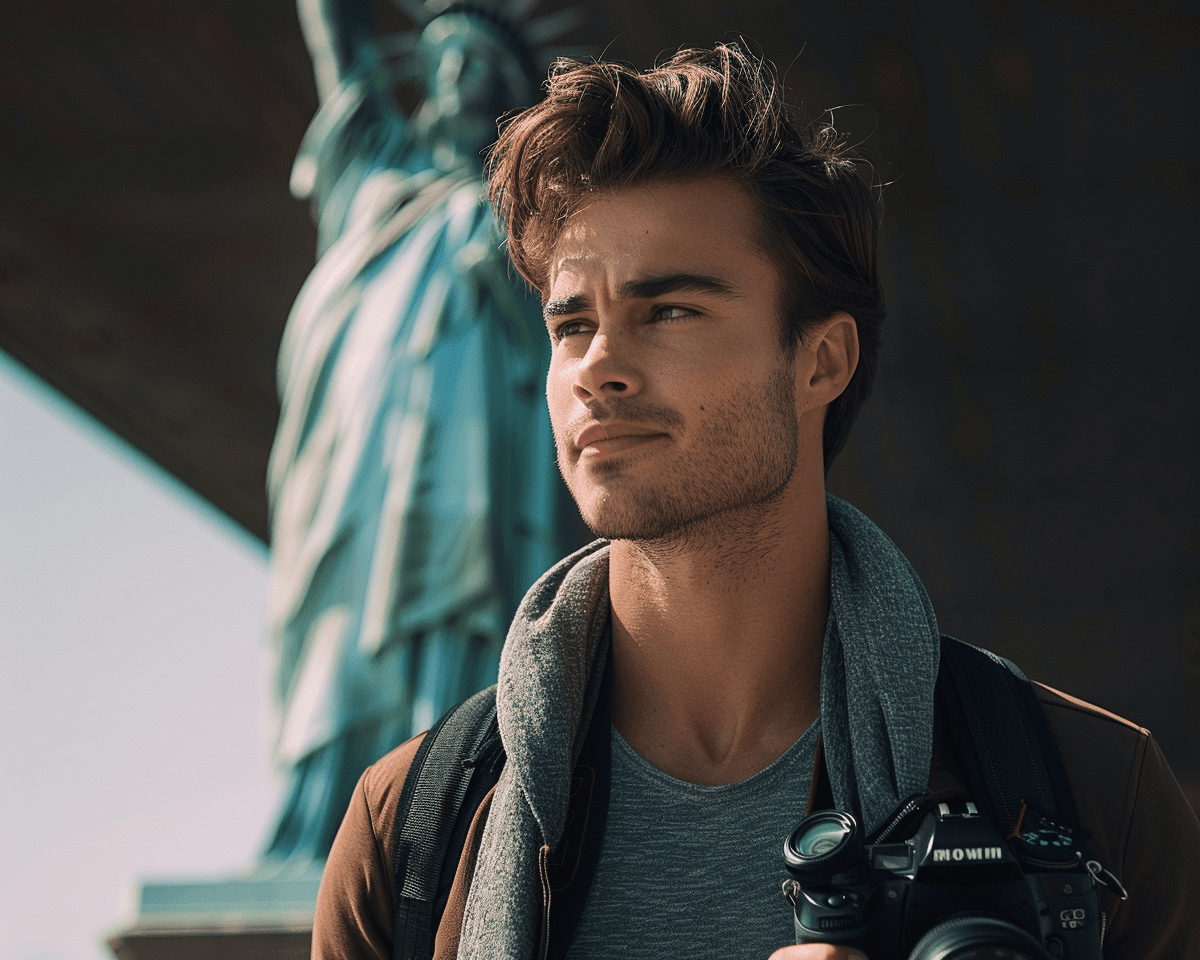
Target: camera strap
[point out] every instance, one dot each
(457, 763)
(997, 714)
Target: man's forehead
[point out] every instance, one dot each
(702, 228)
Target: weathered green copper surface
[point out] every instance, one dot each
(412, 479)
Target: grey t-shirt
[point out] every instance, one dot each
(690, 871)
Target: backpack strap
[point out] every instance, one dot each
(458, 762)
(998, 716)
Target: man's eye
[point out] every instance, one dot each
(566, 329)
(669, 311)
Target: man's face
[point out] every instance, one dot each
(671, 399)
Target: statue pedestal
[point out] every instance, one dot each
(266, 914)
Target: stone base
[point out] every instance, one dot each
(265, 915)
(142, 943)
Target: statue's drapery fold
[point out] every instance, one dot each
(412, 480)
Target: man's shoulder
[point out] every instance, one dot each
(1069, 709)
(1102, 753)
(354, 915)
(1141, 825)
(383, 783)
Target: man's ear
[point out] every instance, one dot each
(830, 356)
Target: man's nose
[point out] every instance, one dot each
(604, 372)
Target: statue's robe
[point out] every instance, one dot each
(412, 481)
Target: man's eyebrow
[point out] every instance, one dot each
(564, 305)
(647, 288)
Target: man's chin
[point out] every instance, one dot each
(643, 528)
(667, 525)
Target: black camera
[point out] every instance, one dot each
(956, 890)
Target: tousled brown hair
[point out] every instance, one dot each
(720, 112)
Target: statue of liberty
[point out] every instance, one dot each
(412, 481)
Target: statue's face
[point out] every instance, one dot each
(471, 78)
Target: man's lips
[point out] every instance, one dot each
(599, 435)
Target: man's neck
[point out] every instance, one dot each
(717, 639)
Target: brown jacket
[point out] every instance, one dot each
(1144, 831)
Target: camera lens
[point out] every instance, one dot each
(823, 840)
(974, 936)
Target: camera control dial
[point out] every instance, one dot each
(1040, 842)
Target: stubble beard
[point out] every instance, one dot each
(744, 459)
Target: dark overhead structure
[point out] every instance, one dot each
(150, 250)
(1032, 446)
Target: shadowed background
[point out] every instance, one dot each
(1033, 439)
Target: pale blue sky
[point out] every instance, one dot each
(133, 680)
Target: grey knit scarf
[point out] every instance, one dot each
(878, 672)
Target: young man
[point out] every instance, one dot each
(709, 281)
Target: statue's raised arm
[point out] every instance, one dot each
(412, 480)
(335, 32)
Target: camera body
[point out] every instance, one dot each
(955, 889)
